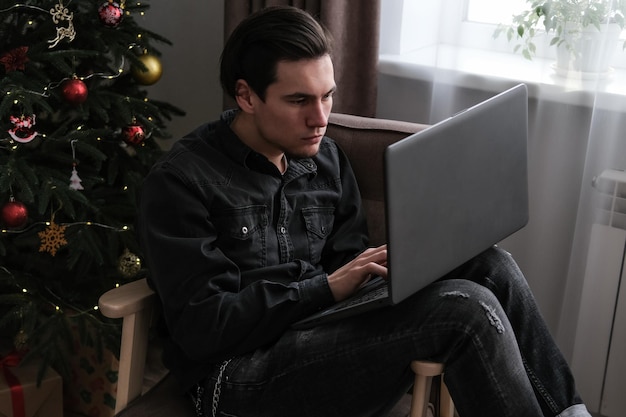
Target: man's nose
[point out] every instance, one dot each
(318, 116)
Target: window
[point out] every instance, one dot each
(494, 12)
(407, 25)
(451, 42)
(413, 25)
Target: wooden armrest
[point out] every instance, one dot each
(126, 299)
(133, 302)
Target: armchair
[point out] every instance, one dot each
(363, 140)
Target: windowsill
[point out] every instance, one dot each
(496, 71)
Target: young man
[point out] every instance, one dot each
(224, 226)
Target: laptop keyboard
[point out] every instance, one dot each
(376, 288)
(376, 293)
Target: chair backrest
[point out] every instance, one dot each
(364, 140)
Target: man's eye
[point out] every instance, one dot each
(298, 101)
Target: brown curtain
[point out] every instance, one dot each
(354, 26)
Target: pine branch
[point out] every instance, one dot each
(45, 296)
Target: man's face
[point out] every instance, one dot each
(294, 115)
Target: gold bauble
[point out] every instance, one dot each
(153, 72)
(129, 264)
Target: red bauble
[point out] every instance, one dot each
(134, 134)
(14, 214)
(74, 91)
(110, 13)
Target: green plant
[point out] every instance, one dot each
(561, 19)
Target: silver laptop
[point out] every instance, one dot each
(451, 191)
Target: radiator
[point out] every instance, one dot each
(599, 355)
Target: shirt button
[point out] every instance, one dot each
(283, 230)
(244, 230)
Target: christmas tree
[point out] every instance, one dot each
(78, 135)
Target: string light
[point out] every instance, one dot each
(15, 6)
(99, 139)
(124, 228)
(102, 75)
(120, 70)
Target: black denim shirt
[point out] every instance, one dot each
(237, 251)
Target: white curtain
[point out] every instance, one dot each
(577, 138)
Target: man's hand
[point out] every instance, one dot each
(347, 279)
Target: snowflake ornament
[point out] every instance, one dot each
(52, 239)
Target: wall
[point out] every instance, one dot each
(190, 65)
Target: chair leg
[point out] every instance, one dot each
(424, 373)
(446, 405)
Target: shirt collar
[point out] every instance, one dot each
(247, 157)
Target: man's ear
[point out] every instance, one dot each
(243, 96)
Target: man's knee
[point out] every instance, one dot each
(499, 265)
(477, 305)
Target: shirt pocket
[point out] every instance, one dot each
(319, 224)
(242, 234)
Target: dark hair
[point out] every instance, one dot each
(259, 42)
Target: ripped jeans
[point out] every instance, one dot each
(481, 320)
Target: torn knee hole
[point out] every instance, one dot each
(494, 320)
(458, 294)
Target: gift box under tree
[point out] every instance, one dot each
(90, 388)
(24, 392)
